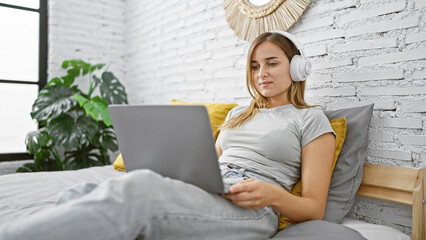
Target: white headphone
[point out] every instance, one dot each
(300, 67)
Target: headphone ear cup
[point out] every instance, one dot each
(300, 68)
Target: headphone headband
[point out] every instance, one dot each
(293, 39)
(300, 67)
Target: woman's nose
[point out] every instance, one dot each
(262, 72)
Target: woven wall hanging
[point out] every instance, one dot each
(249, 21)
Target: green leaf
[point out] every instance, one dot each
(88, 128)
(58, 159)
(107, 139)
(97, 67)
(82, 158)
(76, 67)
(52, 102)
(66, 80)
(54, 81)
(36, 140)
(82, 100)
(96, 107)
(42, 165)
(28, 167)
(97, 80)
(70, 133)
(42, 155)
(112, 90)
(64, 132)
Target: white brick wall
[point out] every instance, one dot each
(378, 10)
(92, 31)
(362, 52)
(366, 45)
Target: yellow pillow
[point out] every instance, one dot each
(119, 164)
(339, 127)
(217, 113)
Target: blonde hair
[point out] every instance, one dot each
(296, 89)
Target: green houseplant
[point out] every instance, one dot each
(74, 127)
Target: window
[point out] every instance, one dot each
(23, 71)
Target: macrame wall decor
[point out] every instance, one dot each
(249, 18)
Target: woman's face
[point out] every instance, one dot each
(270, 70)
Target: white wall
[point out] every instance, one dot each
(93, 31)
(362, 51)
(184, 50)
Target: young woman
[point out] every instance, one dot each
(264, 148)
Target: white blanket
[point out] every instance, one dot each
(22, 194)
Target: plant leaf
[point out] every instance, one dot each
(36, 140)
(82, 100)
(88, 127)
(64, 132)
(97, 67)
(112, 90)
(42, 155)
(82, 158)
(28, 167)
(97, 80)
(76, 67)
(52, 102)
(54, 81)
(95, 107)
(70, 133)
(45, 164)
(108, 140)
(66, 80)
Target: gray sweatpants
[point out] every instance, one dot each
(142, 204)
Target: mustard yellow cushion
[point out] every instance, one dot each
(339, 127)
(217, 113)
(119, 164)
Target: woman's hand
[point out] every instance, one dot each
(251, 193)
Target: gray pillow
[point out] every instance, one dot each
(347, 175)
(317, 230)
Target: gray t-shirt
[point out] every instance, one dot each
(271, 143)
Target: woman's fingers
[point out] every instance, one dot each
(252, 204)
(243, 186)
(248, 193)
(242, 196)
(245, 200)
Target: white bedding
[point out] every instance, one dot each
(22, 194)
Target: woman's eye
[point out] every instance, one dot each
(254, 67)
(272, 64)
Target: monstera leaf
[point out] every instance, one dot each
(70, 133)
(36, 140)
(84, 157)
(95, 107)
(52, 102)
(106, 139)
(111, 89)
(77, 67)
(42, 163)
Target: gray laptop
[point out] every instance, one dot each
(174, 141)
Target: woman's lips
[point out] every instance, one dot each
(264, 84)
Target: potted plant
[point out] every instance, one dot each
(74, 127)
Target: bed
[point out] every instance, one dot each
(23, 194)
